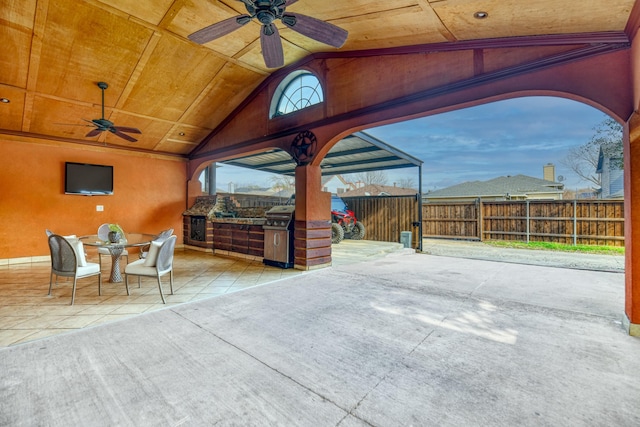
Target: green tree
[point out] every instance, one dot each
(583, 160)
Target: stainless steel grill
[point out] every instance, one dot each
(278, 236)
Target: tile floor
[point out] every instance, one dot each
(28, 313)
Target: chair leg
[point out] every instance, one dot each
(99, 284)
(139, 277)
(73, 292)
(171, 281)
(51, 281)
(160, 288)
(126, 282)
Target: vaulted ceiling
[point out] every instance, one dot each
(176, 92)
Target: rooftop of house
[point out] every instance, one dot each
(379, 190)
(512, 185)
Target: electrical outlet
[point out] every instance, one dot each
(99, 208)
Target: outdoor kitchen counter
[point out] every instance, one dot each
(250, 221)
(238, 235)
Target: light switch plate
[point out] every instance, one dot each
(99, 208)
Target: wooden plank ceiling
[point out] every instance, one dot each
(176, 92)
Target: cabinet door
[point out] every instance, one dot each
(256, 240)
(276, 245)
(222, 236)
(240, 238)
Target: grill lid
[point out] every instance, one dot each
(281, 211)
(279, 217)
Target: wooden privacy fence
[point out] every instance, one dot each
(385, 217)
(588, 222)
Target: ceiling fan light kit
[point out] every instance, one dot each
(266, 12)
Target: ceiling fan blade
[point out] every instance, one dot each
(72, 124)
(271, 46)
(290, 2)
(126, 129)
(116, 132)
(219, 29)
(94, 132)
(316, 29)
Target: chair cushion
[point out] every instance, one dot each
(88, 269)
(152, 255)
(139, 268)
(78, 248)
(164, 235)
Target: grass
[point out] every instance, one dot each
(548, 246)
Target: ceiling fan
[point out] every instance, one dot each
(267, 11)
(103, 124)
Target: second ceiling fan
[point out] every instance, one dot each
(267, 11)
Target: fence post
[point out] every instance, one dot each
(480, 222)
(528, 220)
(575, 222)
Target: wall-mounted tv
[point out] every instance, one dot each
(87, 179)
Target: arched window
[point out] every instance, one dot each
(298, 90)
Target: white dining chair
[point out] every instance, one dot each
(158, 262)
(67, 260)
(162, 236)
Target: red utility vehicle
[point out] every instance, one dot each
(344, 222)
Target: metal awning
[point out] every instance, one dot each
(358, 152)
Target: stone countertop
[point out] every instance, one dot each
(252, 221)
(203, 206)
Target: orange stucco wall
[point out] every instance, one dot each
(149, 194)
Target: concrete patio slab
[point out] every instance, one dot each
(407, 339)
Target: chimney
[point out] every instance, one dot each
(549, 172)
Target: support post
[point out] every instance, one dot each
(631, 143)
(312, 229)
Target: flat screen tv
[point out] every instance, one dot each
(87, 179)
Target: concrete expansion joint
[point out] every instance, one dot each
(265, 364)
(384, 377)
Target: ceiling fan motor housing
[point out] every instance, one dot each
(266, 11)
(102, 123)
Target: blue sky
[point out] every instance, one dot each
(517, 136)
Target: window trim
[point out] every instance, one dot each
(284, 85)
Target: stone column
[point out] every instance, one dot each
(632, 224)
(312, 232)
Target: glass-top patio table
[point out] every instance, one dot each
(115, 249)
